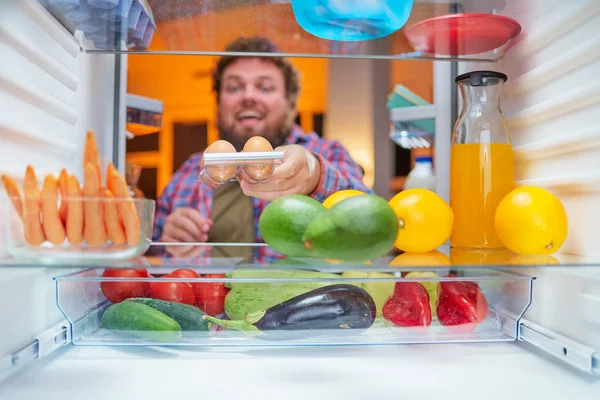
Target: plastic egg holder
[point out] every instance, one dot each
(253, 167)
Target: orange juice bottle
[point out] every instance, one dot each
(482, 167)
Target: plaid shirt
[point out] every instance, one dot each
(338, 171)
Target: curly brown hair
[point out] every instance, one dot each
(291, 75)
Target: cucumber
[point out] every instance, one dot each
(188, 317)
(141, 320)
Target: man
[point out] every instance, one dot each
(255, 97)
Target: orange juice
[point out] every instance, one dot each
(480, 176)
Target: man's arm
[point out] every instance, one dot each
(338, 172)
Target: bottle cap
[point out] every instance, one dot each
(424, 159)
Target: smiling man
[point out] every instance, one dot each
(256, 96)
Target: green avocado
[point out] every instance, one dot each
(357, 228)
(283, 222)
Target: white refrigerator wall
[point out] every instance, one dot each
(50, 94)
(552, 103)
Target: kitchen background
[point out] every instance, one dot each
(339, 99)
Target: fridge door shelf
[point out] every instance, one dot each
(496, 301)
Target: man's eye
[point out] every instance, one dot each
(266, 89)
(232, 89)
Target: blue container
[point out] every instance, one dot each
(351, 20)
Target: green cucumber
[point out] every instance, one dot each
(188, 317)
(141, 320)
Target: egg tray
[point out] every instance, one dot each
(256, 167)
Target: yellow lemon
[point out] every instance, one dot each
(429, 259)
(424, 219)
(531, 220)
(341, 195)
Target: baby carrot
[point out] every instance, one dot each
(14, 193)
(91, 154)
(127, 209)
(53, 227)
(34, 234)
(94, 230)
(114, 228)
(63, 185)
(75, 212)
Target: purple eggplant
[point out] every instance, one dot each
(329, 310)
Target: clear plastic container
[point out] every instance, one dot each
(103, 4)
(131, 239)
(220, 168)
(351, 20)
(64, 5)
(118, 13)
(251, 306)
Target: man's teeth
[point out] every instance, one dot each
(248, 114)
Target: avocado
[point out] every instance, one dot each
(283, 222)
(357, 228)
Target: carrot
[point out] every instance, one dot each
(114, 228)
(53, 227)
(14, 193)
(94, 230)
(34, 234)
(63, 185)
(110, 170)
(91, 154)
(75, 212)
(127, 210)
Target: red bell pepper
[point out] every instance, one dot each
(461, 306)
(408, 307)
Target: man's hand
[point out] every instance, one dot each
(299, 173)
(185, 225)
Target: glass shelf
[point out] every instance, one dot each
(204, 27)
(225, 257)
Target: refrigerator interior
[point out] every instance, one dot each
(65, 85)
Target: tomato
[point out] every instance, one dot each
(210, 296)
(180, 292)
(116, 292)
(184, 273)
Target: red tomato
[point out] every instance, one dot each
(210, 296)
(180, 292)
(184, 273)
(116, 292)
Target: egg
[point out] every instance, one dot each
(254, 145)
(219, 173)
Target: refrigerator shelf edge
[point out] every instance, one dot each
(577, 355)
(44, 344)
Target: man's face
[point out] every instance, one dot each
(253, 103)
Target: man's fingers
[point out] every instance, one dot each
(179, 235)
(202, 223)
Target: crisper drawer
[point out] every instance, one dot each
(252, 306)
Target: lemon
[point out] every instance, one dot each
(429, 259)
(424, 219)
(341, 195)
(531, 220)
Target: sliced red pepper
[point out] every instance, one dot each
(408, 307)
(461, 306)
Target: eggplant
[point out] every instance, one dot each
(331, 310)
